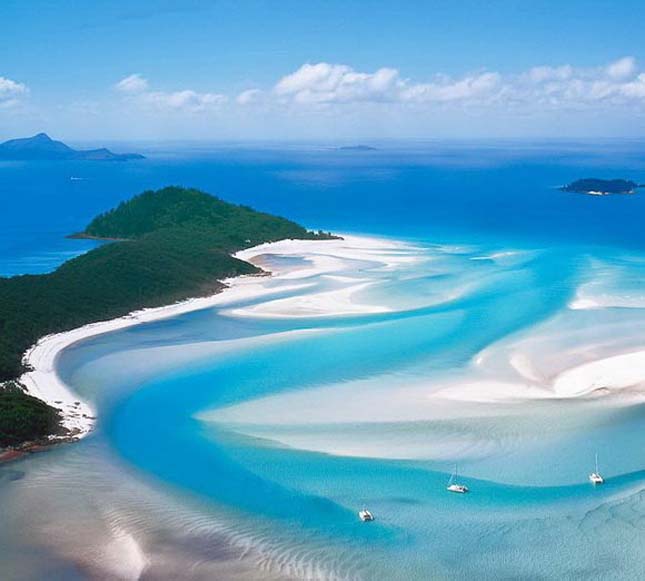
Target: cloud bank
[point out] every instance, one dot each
(618, 83)
(316, 86)
(329, 83)
(324, 99)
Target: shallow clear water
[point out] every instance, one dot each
(245, 440)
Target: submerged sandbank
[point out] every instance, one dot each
(324, 256)
(330, 278)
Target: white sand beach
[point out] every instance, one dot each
(532, 370)
(324, 256)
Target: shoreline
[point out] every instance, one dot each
(43, 381)
(591, 379)
(79, 416)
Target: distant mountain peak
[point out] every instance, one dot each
(43, 147)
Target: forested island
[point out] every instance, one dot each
(598, 187)
(169, 245)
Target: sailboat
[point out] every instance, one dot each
(454, 486)
(365, 515)
(595, 476)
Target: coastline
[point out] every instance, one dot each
(79, 416)
(43, 381)
(580, 380)
(359, 420)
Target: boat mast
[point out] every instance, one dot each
(596, 462)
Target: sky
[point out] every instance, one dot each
(321, 69)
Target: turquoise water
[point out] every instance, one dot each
(303, 470)
(281, 427)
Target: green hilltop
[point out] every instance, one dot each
(170, 245)
(231, 226)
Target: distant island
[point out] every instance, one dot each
(43, 147)
(356, 148)
(174, 244)
(598, 187)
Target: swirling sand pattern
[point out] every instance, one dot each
(249, 434)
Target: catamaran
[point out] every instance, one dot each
(365, 515)
(595, 476)
(453, 486)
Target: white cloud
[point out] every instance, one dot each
(623, 68)
(545, 73)
(329, 83)
(249, 96)
(473, 87)
(327, 89)
(185, 100)
(11, 92)
(333, 83)
(612, 85)
(617, 83)
(136, 88)
(636, 88)
(132, 84)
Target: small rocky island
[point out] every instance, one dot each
(598, 187)
(44, 148)
(356, 148)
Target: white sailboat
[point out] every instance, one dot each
(365, 515)
(595, 476)
(454, 486)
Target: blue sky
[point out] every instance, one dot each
(283, 69)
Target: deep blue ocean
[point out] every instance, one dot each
(264, 423)
(413, 190)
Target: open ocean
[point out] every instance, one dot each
(238, 442)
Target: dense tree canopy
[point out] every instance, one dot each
(587, 185)
(174, 243)
(23, 417)
(232, 226)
